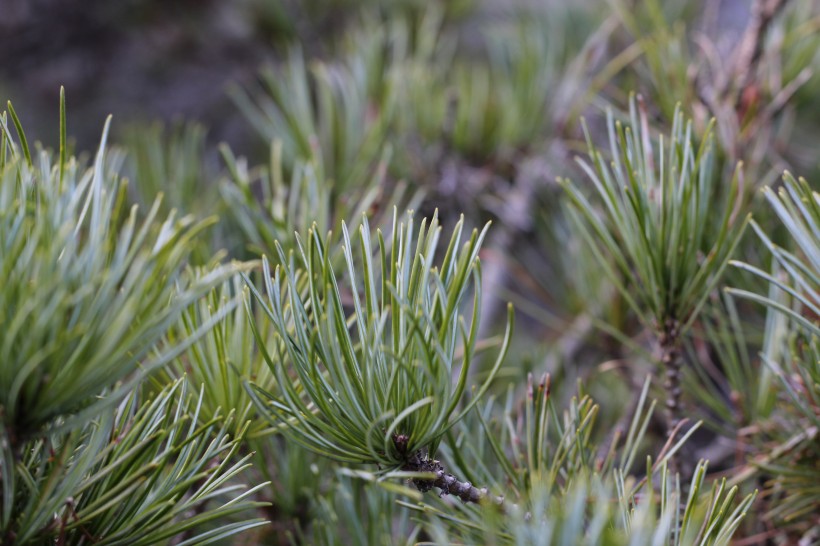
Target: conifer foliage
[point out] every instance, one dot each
(311, 343)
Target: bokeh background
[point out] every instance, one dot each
(173, 59)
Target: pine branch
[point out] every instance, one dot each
(446, 482)
(750, 49)
(669, 342)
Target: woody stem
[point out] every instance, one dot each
(669, 343)
(446, 482)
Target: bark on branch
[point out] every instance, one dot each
(669, 344)
(750, 49)
(446, 482)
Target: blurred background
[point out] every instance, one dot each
(172, 59)
(140, 59)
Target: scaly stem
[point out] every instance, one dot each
(669, 343)
(446, 482)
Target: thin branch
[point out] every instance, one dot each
(669, 343)
(753, 467)
(750, 49)
(446, 482)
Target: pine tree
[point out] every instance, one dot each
(318, 346)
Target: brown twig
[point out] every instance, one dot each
(670, 357)
(750, 48)
(446, 482)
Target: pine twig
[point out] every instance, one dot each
(446, 482)
(669, 343)
(750, 48)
